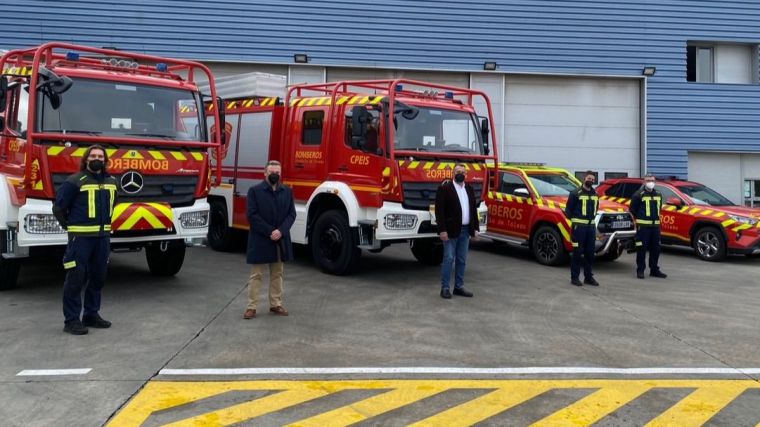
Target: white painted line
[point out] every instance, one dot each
(462, 371)
(52, 372)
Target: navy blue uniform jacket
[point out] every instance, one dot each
(269, 210)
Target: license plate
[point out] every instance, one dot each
(621, 224)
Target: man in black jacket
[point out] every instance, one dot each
(457, 219)
(83, 206)
(271, 213)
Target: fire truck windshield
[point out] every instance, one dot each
(702, 195)
(438, 130)
(552, 184)
(107, 108)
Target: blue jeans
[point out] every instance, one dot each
(455, 250)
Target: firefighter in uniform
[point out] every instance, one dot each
(83, 206)
(581, 208)
(645, 207)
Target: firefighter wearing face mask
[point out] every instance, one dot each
(581, 208)
(645, 207)
(83, 206)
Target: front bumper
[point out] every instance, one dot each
(605, 242)
(423, 224)
(45, 207)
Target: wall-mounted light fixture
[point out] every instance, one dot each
(301, 58)
(649, 71)
(489, 66)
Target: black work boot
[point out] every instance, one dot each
(75, 327)
(576, 282)
(96, 321)
(658, 273)
(590, 281)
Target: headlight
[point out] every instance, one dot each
(197, 219)
(483, 218)
(744, 219)
(42, 224)
(400, 221)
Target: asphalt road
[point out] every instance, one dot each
(389, 316)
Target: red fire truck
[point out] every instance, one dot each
(364, 159)
(56, 100)
(526, 208)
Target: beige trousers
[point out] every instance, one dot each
(275, 284)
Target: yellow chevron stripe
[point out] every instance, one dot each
(156, 155)
(54, 151)
(196, 155)
(178, 155)
(414, 164)
(79, 152)
(428, 165)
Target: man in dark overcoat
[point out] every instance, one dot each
(271, 212)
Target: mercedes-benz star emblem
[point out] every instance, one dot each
(131, 182)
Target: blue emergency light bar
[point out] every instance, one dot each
(449, 95)
(162, 67)
(72, 56)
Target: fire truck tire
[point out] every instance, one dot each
(334, 244)
(9, 268)
(220, 235)
(427, 251)
(547, 246)
(709, 244)
(165, 258)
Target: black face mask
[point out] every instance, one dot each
(95, 165)
(273, 178)
(589, 183)
(459, 178)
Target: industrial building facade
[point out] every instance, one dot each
(616, 86)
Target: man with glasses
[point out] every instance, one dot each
(645, 207)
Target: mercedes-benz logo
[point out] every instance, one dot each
(131, 182)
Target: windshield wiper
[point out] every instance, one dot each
(154, 135)
(65, 131)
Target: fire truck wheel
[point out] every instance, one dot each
(165, 258)
(548, 247)
(427, 251)
(220, 236)
(334, 244)
(709, 244)
(9, 268)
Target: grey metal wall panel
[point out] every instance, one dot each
(549, 36)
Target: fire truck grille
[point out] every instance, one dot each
(611, 222)
(178, 191)
(420, 195)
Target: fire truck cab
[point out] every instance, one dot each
(526, 208)
(58, 99)
(364, 160)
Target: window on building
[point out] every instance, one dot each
(721, 63)
(614, 175)
(752, 193)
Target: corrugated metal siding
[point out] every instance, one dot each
(555, 36)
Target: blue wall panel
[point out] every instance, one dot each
(555, 36)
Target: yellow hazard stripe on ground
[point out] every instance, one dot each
(705, 399)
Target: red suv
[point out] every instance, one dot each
(697, 216)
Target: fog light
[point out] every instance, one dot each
(197, 219)
(42, 224)
(483, 218)
(400, 221)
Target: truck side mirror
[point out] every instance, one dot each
(674, 201)
(485, 130)
(221, 107)
(3, 93)
(523, 192)
(360, 117)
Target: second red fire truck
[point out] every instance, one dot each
(364, 159)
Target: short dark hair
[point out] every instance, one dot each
(83, 162)
(590, 173)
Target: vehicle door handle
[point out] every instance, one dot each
(299, 165)
(342, 168)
